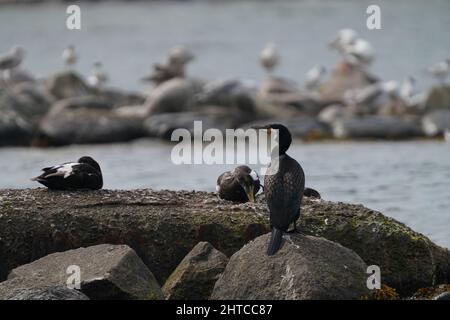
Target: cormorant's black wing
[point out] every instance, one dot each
(284, 192)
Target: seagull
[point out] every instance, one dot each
(447, 135)
(269, 57)
(343, 39)
(440, 70)
(373, 95)
(69, 56)
(11, 60)
(408, 95)
(180, 55)
(98, 76)
(314, 76)
(360, 53)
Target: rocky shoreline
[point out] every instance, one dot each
(187, 239)
(64, 109)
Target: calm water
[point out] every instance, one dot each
(408, 181)
(227, 36)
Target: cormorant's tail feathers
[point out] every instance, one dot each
(276, 239)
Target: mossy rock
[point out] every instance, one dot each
(161, 226)
(408, 260)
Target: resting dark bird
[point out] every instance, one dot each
(239, 185)
(284, 184)
(311, 193)
(84, 174)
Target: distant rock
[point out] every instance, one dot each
(436, 122)
(87, 119)
(162, 125)
(118, 98)
(344, 77)
(332, 113)
(303, 127)
(31, 101)
(67, 84)
(438, 98)
(375, 127)
(174, 95)
(106, 272)
(195, 276)
(19, 289)
(305, 268)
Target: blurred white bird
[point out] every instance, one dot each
(11, 60)
(408, 95)
(447, 135)
(69, 56)
(373, 95)
(98, 77)
(180, 55)
(440, 70)
(407, 88)
(360, 53)
(314, 76)
(269, 57)
(344, 38)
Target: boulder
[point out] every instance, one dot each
(67, 84)
(174, 95)
(408, 260)
(375, 127)
(162, 125)
(305, 267)
(31, 101)
(195, 276)
(106, 272)
(87, 119)
(161, 226)
(231, 93)
(435, 123)
(22, 289)
(343, 78)
(14, 129)
(118, 98)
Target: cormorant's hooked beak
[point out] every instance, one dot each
(249, 192)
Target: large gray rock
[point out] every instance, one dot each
(438, 98)
(375, 127)
(195, 276)
(174, 95)
(435, 123)
(19, 289)
(67, 84)
(343, 78)
(106, 272)
(87, 119)
(304, 268)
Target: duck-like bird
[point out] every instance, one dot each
(239, 185)
(83, 174)
(284, 184)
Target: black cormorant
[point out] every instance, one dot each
(83, 174)
(239, 185)
(284, 184)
